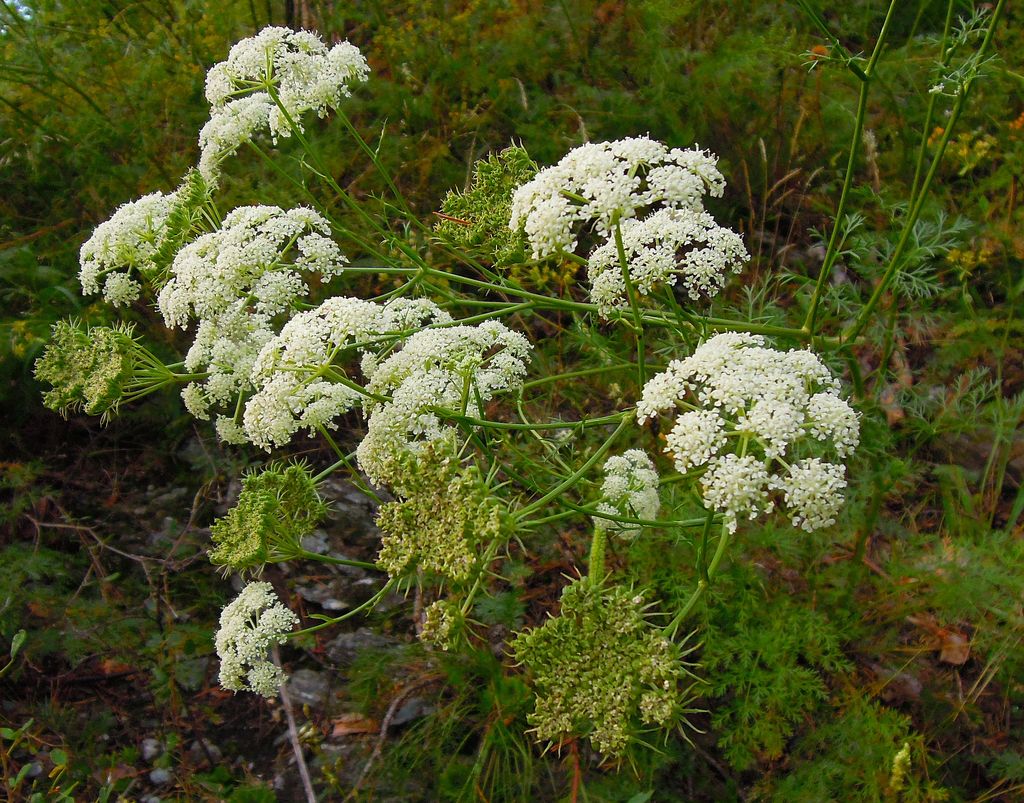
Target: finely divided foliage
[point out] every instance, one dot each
(477, 459)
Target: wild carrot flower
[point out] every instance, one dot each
(437, 372)
(746, 415)
(630, 490)
(299, 374)
(665, 247)
(267, 79)
(609, 181)
(249, 626)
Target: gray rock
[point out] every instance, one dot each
(172, 498)
(309, 687)
(413, 708)
(329, 596)
(160, 777)
(345, 648)
(204, 752)
(151, 749)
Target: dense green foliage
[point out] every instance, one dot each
(880, 659)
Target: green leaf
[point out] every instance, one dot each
(17, 642)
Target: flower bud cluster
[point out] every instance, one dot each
(268, 82)
(442, 621)
(746, 416)
(87, 368)
(276, 509)
(630, 489)
(249, 626)
(600, 670)
(444, 512)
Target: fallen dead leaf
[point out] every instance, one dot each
(956, 648)
(348, 724)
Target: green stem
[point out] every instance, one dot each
(595, 563)
(559, 489)
(832, 250)
(634, 304)
(854, 330)
(703, 582)
(922, 147)
(359, 564)
(369, 604)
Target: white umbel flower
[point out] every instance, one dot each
(247, 257)
(630, 489)
(813, 492)
(297, 372)
(602, 182)
(737, 486)
(236, 282)
(697, 436)
(126, 242)
(667, 246)
(267, 79)
(456, 368)
(249, 626)
(742, 410)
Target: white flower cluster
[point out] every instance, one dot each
(743, 411)
(630, 489)
(245, 259)
(249, 626)
(458, 368)
(128, 240)
(664, 246)
(616, 180)
(296, 383)
(654, 195)
(267, 79)
(234, 281)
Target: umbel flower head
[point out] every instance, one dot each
(444, 512)
(665, 247)
(437, 370)
(96, 368)
(299, 377)
(630, 490)
(267, 79)
(276, 509)
(601, 671)
(605, 182)
(140, 238)
(647, 194)
(249, 627)
(747, 417)
(235, 282)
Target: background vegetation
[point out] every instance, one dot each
(899, 631)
